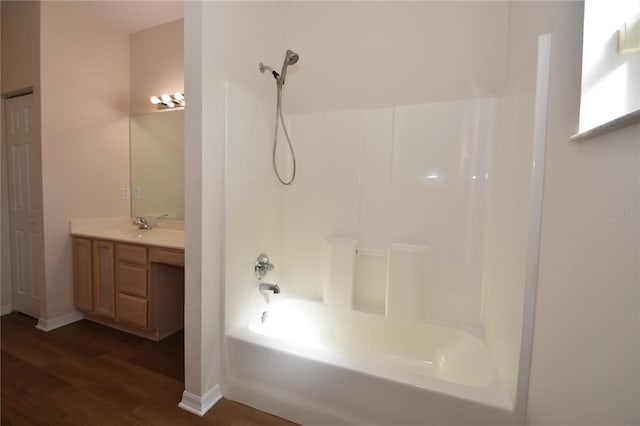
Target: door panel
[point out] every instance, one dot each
(104, 286)
(82, 274)
(25, 212)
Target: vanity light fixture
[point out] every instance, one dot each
(168, 101)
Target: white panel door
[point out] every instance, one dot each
(25, 199)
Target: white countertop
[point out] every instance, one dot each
(121, 229)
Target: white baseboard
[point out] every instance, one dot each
(52, 324)
(199, 405)
(5, 309)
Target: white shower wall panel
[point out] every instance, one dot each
(253, 201)
(439, 196)
(375, 179)
(404, 175)
(324, 199)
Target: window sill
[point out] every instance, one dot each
(628, 119)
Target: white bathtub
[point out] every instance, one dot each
(316, 366)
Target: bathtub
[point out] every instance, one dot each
(314, 365)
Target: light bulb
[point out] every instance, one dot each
(182, 102)
(166, 98)
(171, 104)
(154, 100)
(178, 96)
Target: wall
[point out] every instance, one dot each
(376, 54)
(254, 218)
(20, 69)
(586, 339)
(368, 175)
(212, 63)
(85, 134)
(385, 54)
(510, 198)
(20, 45)
(157, 64)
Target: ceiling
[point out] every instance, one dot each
(130, 16)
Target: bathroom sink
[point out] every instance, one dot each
(154, 237)
(130, 233)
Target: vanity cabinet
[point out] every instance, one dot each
(103, 279)
(132, 287)
(83, 274)
(133, 281)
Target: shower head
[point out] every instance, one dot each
(290, 58)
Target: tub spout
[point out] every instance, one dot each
(267, 287)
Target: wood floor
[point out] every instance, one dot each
(87, 374)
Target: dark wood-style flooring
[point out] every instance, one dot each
(88, 374)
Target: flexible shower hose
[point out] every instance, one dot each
(275, 140)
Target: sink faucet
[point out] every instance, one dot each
(267, 287)
(142, 223)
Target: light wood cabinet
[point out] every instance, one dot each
(82, 274)
(104, 279)
(132, 287)
(133, 283)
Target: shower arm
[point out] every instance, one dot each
(262, 67)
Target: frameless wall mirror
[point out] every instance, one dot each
(157, 164)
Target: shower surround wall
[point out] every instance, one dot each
(396, 180)
(400, 142)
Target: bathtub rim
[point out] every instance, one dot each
(493, 394)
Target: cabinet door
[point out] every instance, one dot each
(132, 280)
(133, 310)
(82, 276)
(103, 279)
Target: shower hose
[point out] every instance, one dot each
(280, 117)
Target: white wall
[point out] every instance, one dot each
(408, 175)
(85, 134)
(509, 203)
(212, 61)
(376, 54)
(157, 64)
(253, 204)
(355, 57)
(586, 342)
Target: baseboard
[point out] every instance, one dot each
(199, 405)
(5, 309)
(52, 324)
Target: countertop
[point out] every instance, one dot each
(121, 229)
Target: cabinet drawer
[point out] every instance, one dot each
(167, 256)
(132, 310)
(132, 279)
(132, 254)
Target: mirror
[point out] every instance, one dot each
(157, 164)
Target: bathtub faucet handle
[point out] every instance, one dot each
(262, 266)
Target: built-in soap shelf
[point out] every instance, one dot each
(380, 281)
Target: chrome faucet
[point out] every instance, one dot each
(142, 223)
(262, 266)
(268, 287)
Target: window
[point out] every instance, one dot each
(610, 66)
